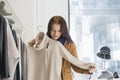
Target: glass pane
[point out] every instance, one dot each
(115, 3)
(97, 4)
(92, 31)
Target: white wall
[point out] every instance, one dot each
(48, 8)
(32, 13)
(24, 10)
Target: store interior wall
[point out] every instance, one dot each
(35, 13)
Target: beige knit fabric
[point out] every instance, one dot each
(44, 61)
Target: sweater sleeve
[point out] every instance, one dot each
(65, 54)
(72, 49)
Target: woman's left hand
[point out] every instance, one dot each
(92, 69)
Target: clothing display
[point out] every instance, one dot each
(10, 52)
(44, 59)
(4, 64)
(13, 54)
(104, 53)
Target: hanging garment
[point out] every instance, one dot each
(20, 73)
(13, 54)
(4, 63)
(44, 59)
(23, 73)
(17, 70)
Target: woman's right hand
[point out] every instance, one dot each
(32, 42)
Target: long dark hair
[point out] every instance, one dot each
(63, 27)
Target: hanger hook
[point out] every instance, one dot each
(39, 27)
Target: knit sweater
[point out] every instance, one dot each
(44, 62)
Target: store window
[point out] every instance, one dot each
(93, 24)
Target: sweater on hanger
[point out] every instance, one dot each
(45, 61)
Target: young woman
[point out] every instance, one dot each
(57, 30)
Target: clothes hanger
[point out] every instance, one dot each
(39, 28)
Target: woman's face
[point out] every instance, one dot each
(55, 31)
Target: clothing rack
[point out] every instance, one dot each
(11, 52)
